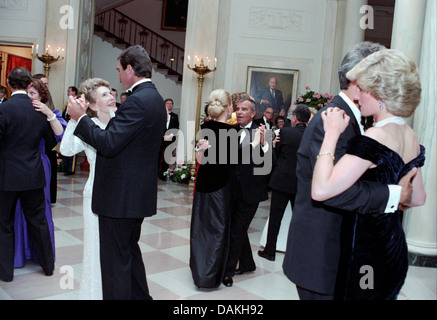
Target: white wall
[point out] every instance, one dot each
(23, 23)
(277, 34)
(104, 64)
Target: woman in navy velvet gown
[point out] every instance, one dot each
(39, 94)
(374, 254)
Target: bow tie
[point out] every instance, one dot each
(129, 93)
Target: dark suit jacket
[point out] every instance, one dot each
(173, 124)
(313, 247)
(125, 184)
(262, 121)
(21, 131)
(276, 103)
(246, 186)
(283, 177)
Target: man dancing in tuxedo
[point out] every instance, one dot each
(127, 161)
(22, 174)
(249, 188)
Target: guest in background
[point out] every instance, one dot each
(283, 181)
(211, 212)
(267, 118)
(100, 104)
(22, 177)
(168, 139)
(3, 92)
(237, 96)
(249, 188)
(114, 93)
(39, 95)
(123, 97)
(69, 162)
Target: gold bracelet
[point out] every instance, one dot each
(326, 154)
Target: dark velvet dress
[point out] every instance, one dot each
(211, 212)
(374, 258)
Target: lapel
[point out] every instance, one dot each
(344, 106)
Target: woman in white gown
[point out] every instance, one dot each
(100, 102)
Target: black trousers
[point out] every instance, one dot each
(305, 294)
(123, 271)
(278, 205)
(240, 251)
(33, 205)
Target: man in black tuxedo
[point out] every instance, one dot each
(22, 174)
(272, 97)
(127, 161)
(170, 137)
(249, 188)
(266, 120)
(313, 247)
(283, 181)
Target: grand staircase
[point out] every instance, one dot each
(122, 32)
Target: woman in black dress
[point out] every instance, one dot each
(209, 234)
(374, 258)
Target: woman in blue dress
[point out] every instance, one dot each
(39, 94)
(374, 254)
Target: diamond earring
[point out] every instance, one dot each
(381, 105)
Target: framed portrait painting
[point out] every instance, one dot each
(284, 82)
(174, 15)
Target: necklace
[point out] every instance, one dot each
(396, 120)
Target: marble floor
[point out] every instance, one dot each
(165, 246)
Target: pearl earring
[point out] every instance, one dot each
(381, 105)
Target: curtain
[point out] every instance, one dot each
(15, 62)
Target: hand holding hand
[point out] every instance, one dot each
(335, 120)
(76, 107)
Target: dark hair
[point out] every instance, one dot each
(19, 78)
(3, 89)
(42, 90)
(302, 113)
(39, 76)
(139, 59)
(279, 118)
(166, 100)
(74, 89)
(355, 54)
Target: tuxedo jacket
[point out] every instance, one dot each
(313, 247)
(247, 186)
(173, 124)
(262, 121)
(125, 184)
(276, 103)
(283, 177)
(21, 131)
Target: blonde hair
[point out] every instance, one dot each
(391, 76)
(218, 101)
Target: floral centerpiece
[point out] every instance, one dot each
(179, 174)
(314, 99)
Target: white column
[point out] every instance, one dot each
(201, 41)
(421, 222)
(407, 30)
(353, 32)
